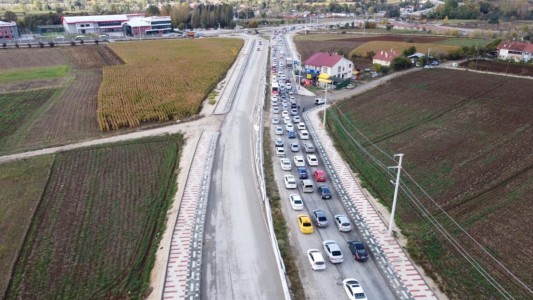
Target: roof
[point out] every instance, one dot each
(138, 22)
(515, 46)
(107, 18)
(321, 59)
(2, 23)
(388, 55)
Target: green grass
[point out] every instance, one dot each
(34, 73)
(16, 109)
(98, 226)
(22, 183)
(465, 42)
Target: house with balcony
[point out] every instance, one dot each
(517, 51)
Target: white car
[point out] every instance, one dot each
(353, 289)
(280, 151)
(304, 134)
(275, 120)
(284, 113)
(333, 251)
(296, 202)
(312, 160)
(288, 86)
(290, 182)
(296, 119)
(285, 164)
(316, 259)
(286, 120)
(299, 161)
(343, 223)
(279, 130)
(274, 98)
(289, 127)
(275, 109)
(301, 126)
(295, 147)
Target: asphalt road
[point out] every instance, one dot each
(325, 284)
(238, 259)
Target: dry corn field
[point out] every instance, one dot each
(161, 80)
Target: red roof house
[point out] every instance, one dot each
(329, 63)
(515, 50)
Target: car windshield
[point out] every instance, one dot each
(336, 253)
(346, 224)
(319, 263)
(297, 201)
(322, 219)
(361, 251)
(306, 224)
(359, 295)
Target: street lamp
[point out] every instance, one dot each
(397, 184)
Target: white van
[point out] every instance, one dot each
(307, 186)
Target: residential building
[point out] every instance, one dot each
(8, 31)
(385, 58)
(328, 63)
(518, 51)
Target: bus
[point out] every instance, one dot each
(275, 88)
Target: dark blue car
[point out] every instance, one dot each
(325, 192)
(302, 173)
(291, 134)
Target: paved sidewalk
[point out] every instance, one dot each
(182, 280)
(389, 254)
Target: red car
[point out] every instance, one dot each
(320, 176)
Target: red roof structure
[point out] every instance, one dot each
(388, 55)
(321, 59)
(516, 46)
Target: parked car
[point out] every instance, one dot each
(343, 223)
(320, 219)
(295, 147)
(290, 182)
(296, 202)
(285, 164)
(333, 251)
(319, 101)
(302, 173)
(325, 192)
(304, 222)
(316, 259)
(312, 160)
(320, 176)
(358, 250)
(299, 161)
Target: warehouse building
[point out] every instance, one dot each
(147, 26)
(96, 24)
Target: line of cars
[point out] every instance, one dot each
(303, 159)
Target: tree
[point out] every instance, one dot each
(401, 63)
(445, 21)
(409, 51)
(152, 10)
(10, 16)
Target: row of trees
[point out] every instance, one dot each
(200, 16)
(484, 10)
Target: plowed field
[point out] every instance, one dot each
(499, 67)
(468, 141)
(27, 58)
(92, 57)
(98, 223)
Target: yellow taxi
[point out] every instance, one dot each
(304, 221)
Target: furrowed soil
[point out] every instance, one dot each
(28, 58)
(499, 67)
(98, 222)
(344, 44)
(22, 183)
(468, 140)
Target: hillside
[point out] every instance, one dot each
(468, 143)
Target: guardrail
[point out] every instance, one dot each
(259, 158)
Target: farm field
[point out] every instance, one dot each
(31, 58)
(98, 222)
(161, 80)
(467, 139)
(33, 73)
(345, 43)
(376, 46)
(22, 183)
(499, 67)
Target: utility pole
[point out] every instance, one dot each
(399, 168)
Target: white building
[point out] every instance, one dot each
(518, 51)
(331, 64)
(385, 58)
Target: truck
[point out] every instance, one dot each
(288, 62)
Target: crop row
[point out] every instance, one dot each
(161, 80)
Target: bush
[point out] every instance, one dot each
(401, 63)
(72, 43)
(51, 44)
(96, 42)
